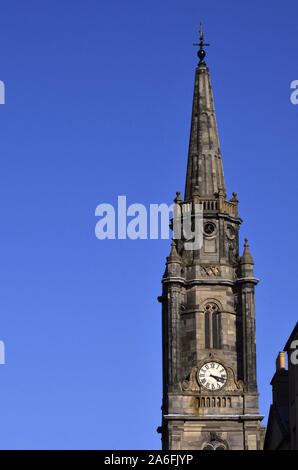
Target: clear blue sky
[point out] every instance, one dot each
(98, 104)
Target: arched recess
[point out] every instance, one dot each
(215, 443)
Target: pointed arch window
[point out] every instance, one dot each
(212, 326)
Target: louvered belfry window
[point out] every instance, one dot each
(212, 326)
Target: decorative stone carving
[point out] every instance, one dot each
(191, 385)
(232, 385)
(230, 232)
(210, 271)
(232, 253)
(214, 437)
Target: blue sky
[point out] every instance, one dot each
(98, 104)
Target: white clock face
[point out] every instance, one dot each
(212, 376)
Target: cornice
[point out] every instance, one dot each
(233, 417)
(215, 281)
(242, 280)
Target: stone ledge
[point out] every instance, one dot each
(214, 417)
(214, 281)
(247, 279)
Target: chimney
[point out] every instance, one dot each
(281, 361)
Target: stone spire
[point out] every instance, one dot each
(204, 167)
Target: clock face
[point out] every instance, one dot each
(212, 376)
(209, 228)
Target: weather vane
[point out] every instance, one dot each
(201, 52)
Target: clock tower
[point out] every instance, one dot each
(210, 395)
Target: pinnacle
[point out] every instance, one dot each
(246, 258)
(173, 257)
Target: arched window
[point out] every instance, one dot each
(212, 326)
(215, 445)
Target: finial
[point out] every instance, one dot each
(201, 52)
(178, 198)
(246, 242)
(234, 198)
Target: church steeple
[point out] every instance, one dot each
(204, 167)
(210, 395)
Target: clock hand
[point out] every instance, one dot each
(219, 379)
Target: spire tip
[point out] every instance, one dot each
(201, 51)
